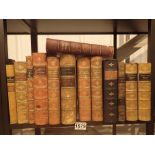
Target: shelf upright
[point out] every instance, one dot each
(151, 59)
(4, 106)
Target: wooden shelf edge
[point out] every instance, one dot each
(89, 124)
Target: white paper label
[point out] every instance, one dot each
(80, 126)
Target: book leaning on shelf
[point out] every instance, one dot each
(68, 88)
(144, 91)
(40, 88)
(96, 88)
(110, 93)
(53, 71)
(21, 92)
(10, 73)
(84, 89)
(54, 46)
(30, 95)
(131, 92)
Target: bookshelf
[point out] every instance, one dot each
(54, 26)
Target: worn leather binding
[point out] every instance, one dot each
(53, 71)
(40, 88)
(84, 89)
(96, 88)
(68, 89)
(121, 92)
(144, 92)
(110, 93)
(30, 95)
(21, 92)
(10, 73)
(67, 47)
(131, 92)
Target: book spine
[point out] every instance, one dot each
(68, 89)
(110, 91)
(53, 70)
(68, 47)
(121, 92)
(21, 92)
(84, 90)
(11, 93)
(131, 91)
(30, 96)
(96, 88)
(144, 91)
(40, 88)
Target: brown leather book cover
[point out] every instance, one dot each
(30, 95)
(10, 73)
(21, 92)
(40, 88)
(144, 91)
(121, 92)
(131, 92)
(68, 47)
(84, 90)
(96, 88)
(110, 86)
(68, 89)
(53, 70)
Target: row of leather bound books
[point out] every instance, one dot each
(61, 90)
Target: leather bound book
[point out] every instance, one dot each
(67, 47)
(30, 96)
(10, 73)
(21, 92)
(68, 89)
(84, 90)
(53, 69)
(96, 88)
(131, 91)
(121, 92)
(40, 88)
(110, 96)
(144, 91)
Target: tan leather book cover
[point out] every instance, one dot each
(144, 91)
(53, 71)
(84, 90)
(68, 89)
(54, 46)
(96, 88)
(40, 88)
(11, 93)
(21, 91)
(131, 71)
(30, 95)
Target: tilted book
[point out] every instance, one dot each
(53, 70)
(30, 96)
(10, 73)
(131, 92)
(110, 91)
(77, 48)
(40, 88)
(68, 89)
(96, 88)
(121, 92)
(144, 91)
(21, 92)
(84, 90)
